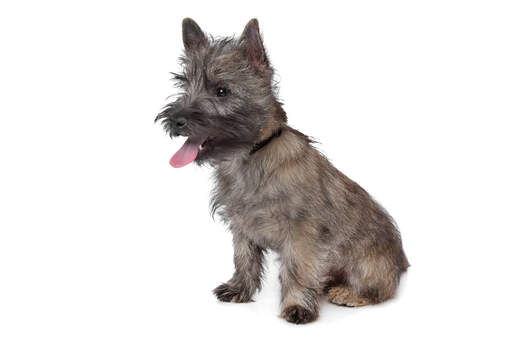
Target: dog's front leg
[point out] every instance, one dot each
(248, 259)
(300, 285)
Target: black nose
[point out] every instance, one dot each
(179, 122)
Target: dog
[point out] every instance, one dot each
(273, 189)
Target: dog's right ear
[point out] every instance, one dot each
(193, 36)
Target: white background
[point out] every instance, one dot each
(100, 239)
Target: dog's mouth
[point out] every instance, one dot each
(190, 149)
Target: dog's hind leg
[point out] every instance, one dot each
(373, 279)
(344, 295)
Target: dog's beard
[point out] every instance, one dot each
(219, 150)
(205, 149)
(212, 137)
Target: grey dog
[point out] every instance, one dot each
(273, 188)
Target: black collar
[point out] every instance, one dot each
(263, 143)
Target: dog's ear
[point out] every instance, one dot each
(193, 36)
(252, 44)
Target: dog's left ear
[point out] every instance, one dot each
(193, 36)
(252, 44)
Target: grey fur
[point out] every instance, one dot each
(332, 237)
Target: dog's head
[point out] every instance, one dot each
(227, 103)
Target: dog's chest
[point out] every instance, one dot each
(252, 206)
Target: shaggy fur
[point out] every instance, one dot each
(285, 196)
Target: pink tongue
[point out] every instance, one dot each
(187, 153)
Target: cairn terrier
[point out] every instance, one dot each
(273, 188)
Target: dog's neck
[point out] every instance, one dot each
(272, 127)
(276, 119)
(263, 143)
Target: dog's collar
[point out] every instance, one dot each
(263, 143)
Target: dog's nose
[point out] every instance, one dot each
(179, 122)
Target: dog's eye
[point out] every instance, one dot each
(222, 92)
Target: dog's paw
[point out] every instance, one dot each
(229, 293)
(298, 315)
